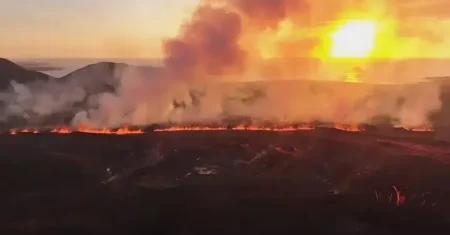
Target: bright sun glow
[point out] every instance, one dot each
(354, 39)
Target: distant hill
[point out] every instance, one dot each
(38, 66)
(95, 79)
(98, 77)
(10, 71)
(105, 76)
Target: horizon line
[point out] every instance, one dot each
(85, 58)
(107, 59)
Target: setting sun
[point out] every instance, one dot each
(354, 39)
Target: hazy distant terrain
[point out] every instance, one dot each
(110, 93)
(62, 67)
(387, 71)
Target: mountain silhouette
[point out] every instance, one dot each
(10, 71)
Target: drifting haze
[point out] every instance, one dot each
(223, 44)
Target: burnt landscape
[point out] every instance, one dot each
(239, 176)
(323, 180)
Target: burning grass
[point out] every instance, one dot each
(222, 166)
(180, 128)
(68, 130)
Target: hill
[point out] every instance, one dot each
(105, 76)
(10, 71)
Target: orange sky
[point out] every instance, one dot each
(135, 28)
(89, 28)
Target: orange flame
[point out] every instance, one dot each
(238, 128)
(343, 127)
(16, 131)
(62, 130)
(120, 131)
(172, 129)
(422, 129)
(350, 128)
(127, 131)
(67, 130)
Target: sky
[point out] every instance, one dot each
(136, 28)
(89, 28)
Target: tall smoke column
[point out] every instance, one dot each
(207, 46)
(207, 49)
(212, 43)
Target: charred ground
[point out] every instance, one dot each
(323, 180)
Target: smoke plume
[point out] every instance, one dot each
(207, 46)
(226, 44)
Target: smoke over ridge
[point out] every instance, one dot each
(208, 65)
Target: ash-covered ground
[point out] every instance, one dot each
(227, 182)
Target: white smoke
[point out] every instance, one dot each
(31, 100)
(142, 97)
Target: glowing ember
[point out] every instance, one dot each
(351, 128)
(62, 130)
(15, 131)
(400, 197)
(425, 128)
(422, 129)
